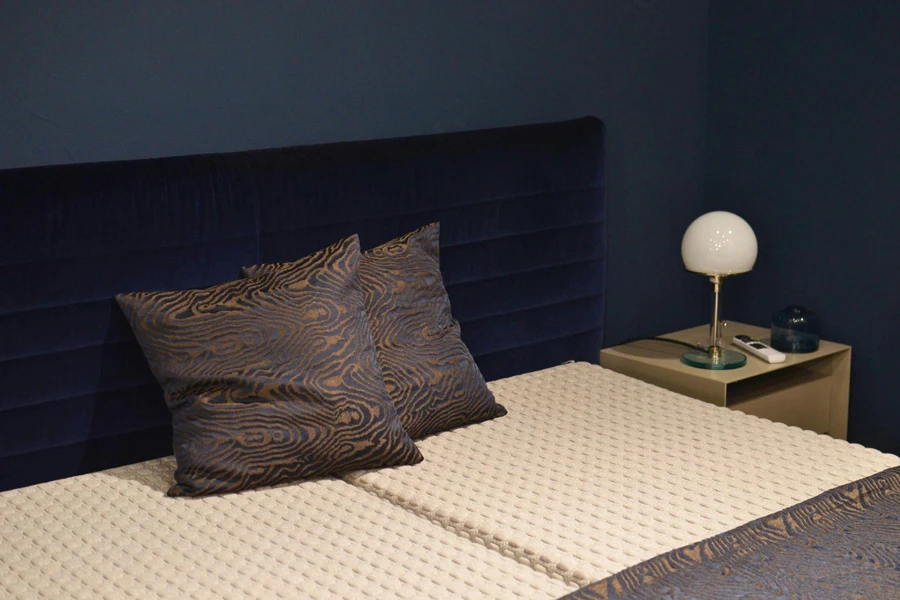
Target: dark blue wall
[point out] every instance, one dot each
(85, 81)
(801, 140)
(804, 142)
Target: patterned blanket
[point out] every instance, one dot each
(844, 543)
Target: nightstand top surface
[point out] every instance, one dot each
(668, 356)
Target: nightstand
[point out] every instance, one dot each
(811, 391)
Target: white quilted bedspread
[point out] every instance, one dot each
(592, 472)
(116, 535)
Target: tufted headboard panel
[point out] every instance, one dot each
(522, 251)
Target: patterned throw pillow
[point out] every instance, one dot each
(270, 379)
(428, 371)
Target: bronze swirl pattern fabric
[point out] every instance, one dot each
(844, 543)
(427, 369)
(270, 379)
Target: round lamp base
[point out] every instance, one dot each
(727, 359)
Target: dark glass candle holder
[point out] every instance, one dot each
(795, 329)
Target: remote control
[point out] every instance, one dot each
(758, 349)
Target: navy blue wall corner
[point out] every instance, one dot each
(798, 124)
(115, 80)
(803, 137)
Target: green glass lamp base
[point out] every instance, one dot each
(727, 359)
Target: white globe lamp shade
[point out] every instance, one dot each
(719, 243)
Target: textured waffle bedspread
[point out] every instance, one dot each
(592, 472)
(589, 474)
(116, 534)
(844, 543)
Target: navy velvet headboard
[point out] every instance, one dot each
(522, 251)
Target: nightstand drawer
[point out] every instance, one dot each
(798, 397)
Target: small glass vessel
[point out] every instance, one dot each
(795, 329)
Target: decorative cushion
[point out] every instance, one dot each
(428, 371)
(270, 379)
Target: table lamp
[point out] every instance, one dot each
(717, 244)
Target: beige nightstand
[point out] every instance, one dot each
(810, 391)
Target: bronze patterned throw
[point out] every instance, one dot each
(428, 371)
(844, 543)
(270, 379)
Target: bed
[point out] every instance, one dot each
(593, 484)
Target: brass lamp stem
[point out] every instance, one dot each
(714, 349)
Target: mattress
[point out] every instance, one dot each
(115, 534)
(592, 472)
